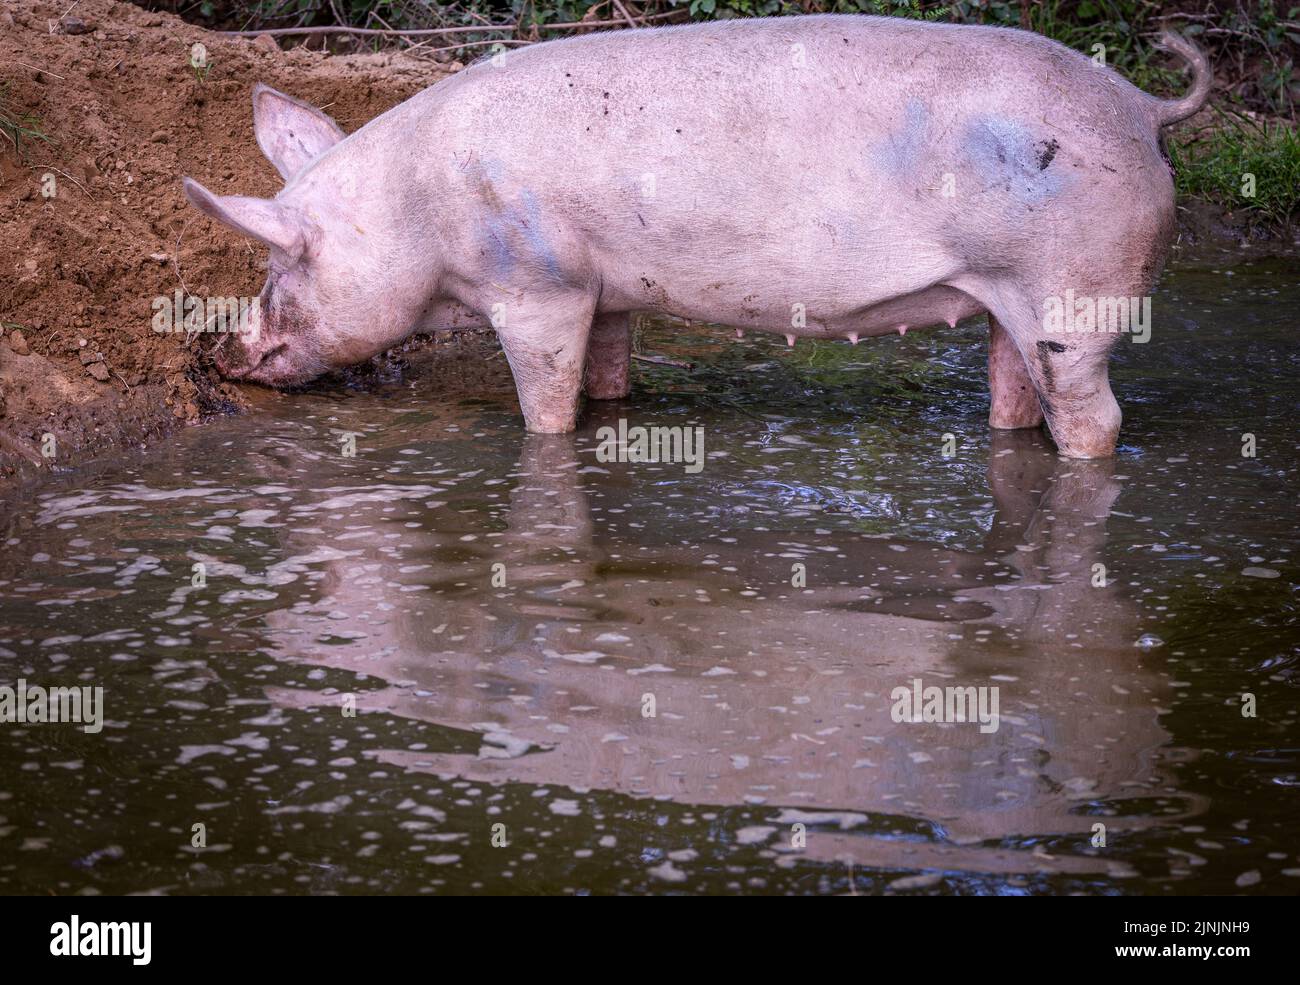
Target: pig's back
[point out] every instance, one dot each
(739, 77)
(865, 102)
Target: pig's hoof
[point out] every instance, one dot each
(1085, 442)
(1090, 432)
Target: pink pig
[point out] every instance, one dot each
(823, 177)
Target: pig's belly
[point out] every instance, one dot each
(936, 305)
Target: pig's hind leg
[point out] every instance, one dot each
(1013, 400)
(546, 346)
(609, 357)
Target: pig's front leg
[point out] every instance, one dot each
(1014, 402)
(609, 357)
(1069, 373)
(1073, 384)
(546, 346)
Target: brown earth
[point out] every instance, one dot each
(127, 117)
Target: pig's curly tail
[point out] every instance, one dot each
(1172, 110)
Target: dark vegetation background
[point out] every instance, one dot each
(1253, 42)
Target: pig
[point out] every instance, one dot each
(825, 177)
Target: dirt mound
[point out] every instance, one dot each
(93, 225)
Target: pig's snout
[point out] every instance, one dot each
(232, 358)
(276, 362)
(240, 359)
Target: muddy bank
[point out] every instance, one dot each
(95, 225)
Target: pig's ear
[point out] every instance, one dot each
(263, 219)
(290, 132)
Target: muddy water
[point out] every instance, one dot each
(642, 679)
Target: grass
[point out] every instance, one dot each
(20, 129)
(1121, 27)
(1244, 166)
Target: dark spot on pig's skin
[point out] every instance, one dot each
(1049, 149)
(1164, 154)
(1004, 155)
(642, 221)
(1045, 364)
(1110, 169)
(485, 190)
(1044, 349)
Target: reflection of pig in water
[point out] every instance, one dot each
(763, 693)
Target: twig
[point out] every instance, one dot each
(368, 31)
(433, 31)
(43, 71)
(618, 5)
(663, 361)
(467, 44)
(63, 15)
(49, 167)
(384, 23)
(335, 11)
